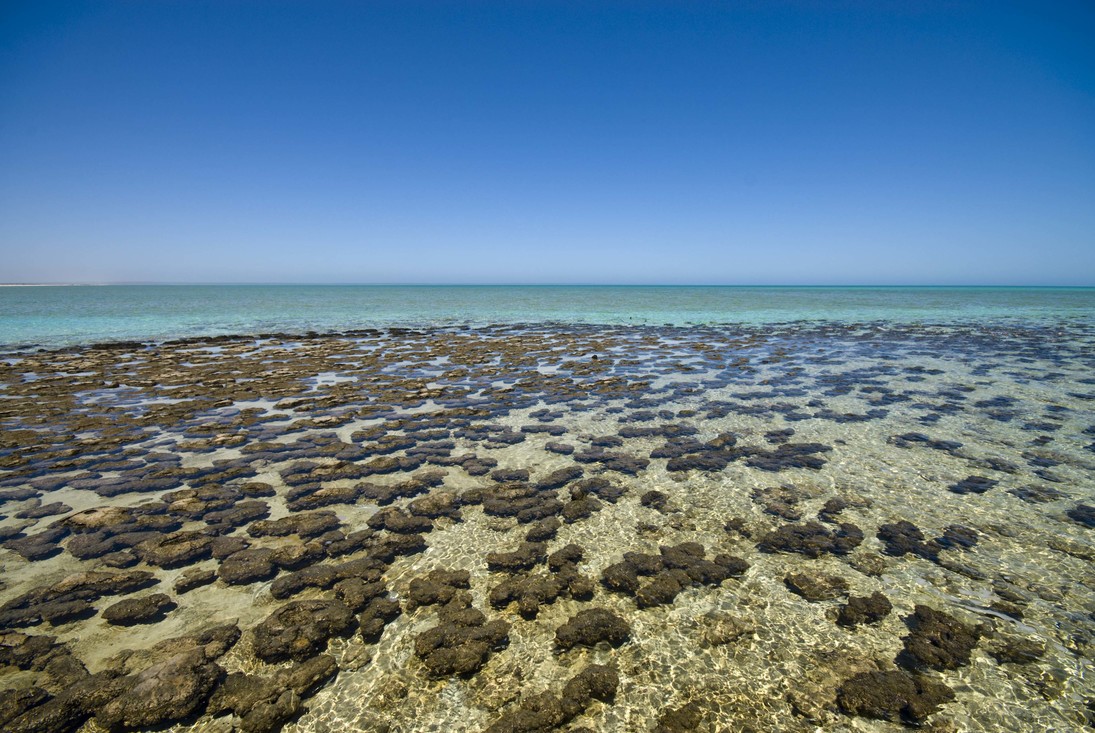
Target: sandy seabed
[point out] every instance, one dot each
(552, 527)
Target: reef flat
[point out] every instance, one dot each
(552, 527)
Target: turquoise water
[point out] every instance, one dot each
(66, 315)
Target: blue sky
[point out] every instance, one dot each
(437, 142)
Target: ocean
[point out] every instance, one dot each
(69, 315)
(620, 509)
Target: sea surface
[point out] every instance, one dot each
(67, 315)
(397, 509)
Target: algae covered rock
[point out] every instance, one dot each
(815, 588)
(170, 690)
(591, 627)
(300, 629)
(938, 640)
(144, 610)
(864, 610)
(895, 696)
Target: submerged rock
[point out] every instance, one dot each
(176, 549)
(590, 627)
(818, 587)
(864, 610)
(904, 537)
(973, 485)
(687, 717)
(139, 610)
(461, 643)
(263, 704)
(547, 711)
(938, 641)
(437, 587)
(248, 566)
(300, 629)
(525, 557)
(168, 691)
(1083, 514)
(812, 539)
(896, 696)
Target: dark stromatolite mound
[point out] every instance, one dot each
(71, 597)
(325, 576)
(300, 629)
(580, 507)
(674, 569)
(559, 478)
(248, 566)
(263, 704)
(687, 717)
(789, 455)
(896, 696)
(44, 510)
(15, 702)
(1037, 494)
(168, 691)
(547, 711)
(437, 587)
(40, 653)
(591, 627)
(781, 501)
(510, 475)
(305, 525)
(600, 487)
(397, 520)
(864, 610)
(1083, 514)
(522, 501)
(379, 611)
(39, 546)
(462, 641)
(213, 641)
(909, 440)
(815, 588)
(904, 537)
(1012, 649)
(525, 557)
(309, 497)
(436, 504)
(832, 508)
(176, 549)
(532, 591)
(973, 485)
(812, 539)
(957, 537)
(621, 462)
(937, 640)
(543, 530)
(654, 499)
(67, 710)
(134, 611)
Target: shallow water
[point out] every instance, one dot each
(1012, 404)
(73, 315)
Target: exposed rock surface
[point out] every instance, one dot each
(300, 629)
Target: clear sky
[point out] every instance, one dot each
(607, 142)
